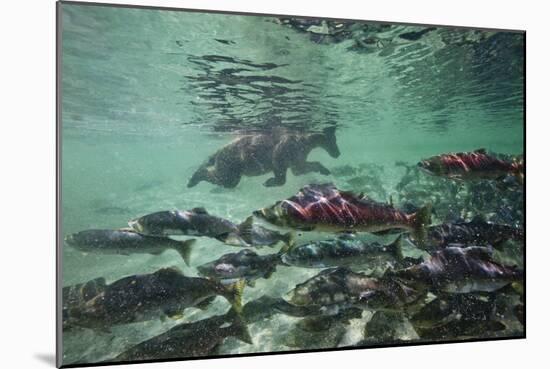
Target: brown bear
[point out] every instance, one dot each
(258, 154)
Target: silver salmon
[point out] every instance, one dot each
(126, 242)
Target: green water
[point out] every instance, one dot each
(148, 95)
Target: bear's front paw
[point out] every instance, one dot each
(273, 182)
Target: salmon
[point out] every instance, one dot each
(325, 208)
(475, 165)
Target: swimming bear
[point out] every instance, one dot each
(258, 154)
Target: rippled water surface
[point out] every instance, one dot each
(149, 95)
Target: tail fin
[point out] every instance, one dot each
(518, 234)
(519, 170)
(395, 248)
(184, 248)
(287, 247)
(518, 287)
(245, 231)
(235, 294)
(288, 239)
(420, 221)
(246, 226)
(238, 328)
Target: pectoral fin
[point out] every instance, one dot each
(184, 249)
(246, 226)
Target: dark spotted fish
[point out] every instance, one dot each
(461, 328)
(164, 293)
(472, 165)
(340, 288)
(460, 270)
(189, 339)
(475, 232)
(325, 208)
(245, 264)
(198, 222)
(446, 308)
(194, 222)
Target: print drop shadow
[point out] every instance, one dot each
(46, 358)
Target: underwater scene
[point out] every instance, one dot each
(235, 184)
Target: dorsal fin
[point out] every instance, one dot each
(246, 226)
(481, 151)
(169, 271)
(199, 210)
(247, 252)
(99, 281)
(359, 195)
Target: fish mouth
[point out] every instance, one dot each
(265, 214)
(135, 225)
(69, 239)
(424, 166)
